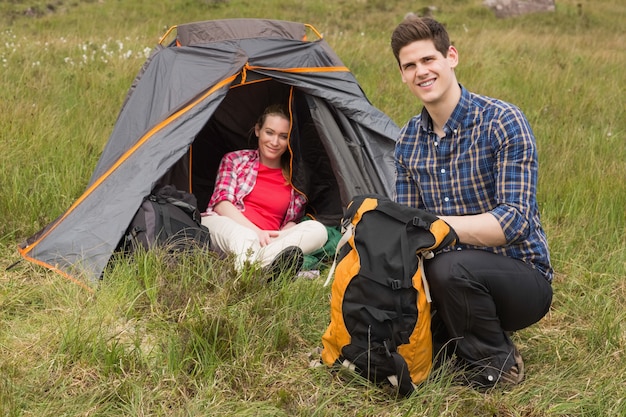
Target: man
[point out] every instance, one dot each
(472, 161)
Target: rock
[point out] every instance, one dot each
(508, 8)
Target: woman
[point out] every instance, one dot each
(254, 210)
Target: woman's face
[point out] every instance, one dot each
(273, 139)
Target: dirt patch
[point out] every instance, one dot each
(13, 10)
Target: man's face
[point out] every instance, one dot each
(428, 74)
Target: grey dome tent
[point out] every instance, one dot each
(196, 98)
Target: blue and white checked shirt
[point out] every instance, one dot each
(487, 162)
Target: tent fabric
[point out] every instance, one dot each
(201, 33)
(197, 99)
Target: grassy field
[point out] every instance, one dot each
(187, 340)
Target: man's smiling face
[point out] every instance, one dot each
(428, 74)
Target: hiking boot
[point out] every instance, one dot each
(289, 259)
(486, 377)
(515, 374)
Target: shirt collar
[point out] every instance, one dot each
(457, 116)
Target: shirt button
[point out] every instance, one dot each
(443, 170)
(446, 199)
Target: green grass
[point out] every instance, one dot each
(186, 338)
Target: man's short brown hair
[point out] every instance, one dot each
(414, 28)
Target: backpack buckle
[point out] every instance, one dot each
(395, 284)
(419, 222)
(389, 347)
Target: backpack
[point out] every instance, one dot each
(380, 305)
(166, 218)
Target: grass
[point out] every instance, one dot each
(185, 338)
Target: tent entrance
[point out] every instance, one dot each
(180, 117)
(230, 128)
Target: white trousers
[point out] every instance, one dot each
(229, 236)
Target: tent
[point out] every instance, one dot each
(196, 98)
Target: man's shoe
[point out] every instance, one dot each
(515, 374)
(486, 377)
(289, 260)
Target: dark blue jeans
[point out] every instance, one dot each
(478, 298)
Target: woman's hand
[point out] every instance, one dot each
(265, 236)
(228, 209)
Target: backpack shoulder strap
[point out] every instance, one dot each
(347, 234)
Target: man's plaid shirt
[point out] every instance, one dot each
(487, 162)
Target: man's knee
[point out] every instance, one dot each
(441, 269)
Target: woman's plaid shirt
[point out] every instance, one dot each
(236, 177)
(487, 162)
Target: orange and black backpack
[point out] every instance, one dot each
(380, 305)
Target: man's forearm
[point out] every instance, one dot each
(477, 229)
